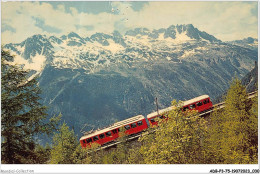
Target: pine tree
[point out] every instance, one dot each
(22, 115)
(215, 138)
(233, 131)
(237, 127)
(65, 143)
(81, 156)
(42, 153)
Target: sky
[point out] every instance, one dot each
(226, 20)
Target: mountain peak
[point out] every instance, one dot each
(193, 33)
(136, 31)
(183, 32)
(55, 39)
(37, 37)
(73, 34)
(116, 34)
(250, 40)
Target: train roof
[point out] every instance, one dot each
(195, 100)
(160, 112)
(114, 126)
(127, 121)
(153, 114)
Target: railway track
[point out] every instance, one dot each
(135, 136)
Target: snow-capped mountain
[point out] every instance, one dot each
(108, 77)
(249, 42)
(99, 50)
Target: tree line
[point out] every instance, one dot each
(227, 136)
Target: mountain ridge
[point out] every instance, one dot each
(99, 44)
(249, 42)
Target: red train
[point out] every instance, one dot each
(201, 103)
(130, 126)
(138, 123)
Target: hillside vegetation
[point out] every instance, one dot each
(230, 136)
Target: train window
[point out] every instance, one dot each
(133, 125)
(192, 106)
(127, 127)
(84, 141)
(95, 138)
(186, 108)
(161, 116)
(101, 136)
(108, 134)
(152, 120)
(199, 104)
(139, 123)
(89, 140)
(206, 101)
(118, 129)
(114, 131)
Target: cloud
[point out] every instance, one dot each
(6, 27)
(225, 20)
(41, 24)
(87, 27)
(42, 18)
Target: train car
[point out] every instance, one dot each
(160, 114)
(131, 126)
(201, 103)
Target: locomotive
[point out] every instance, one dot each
(138, 124)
